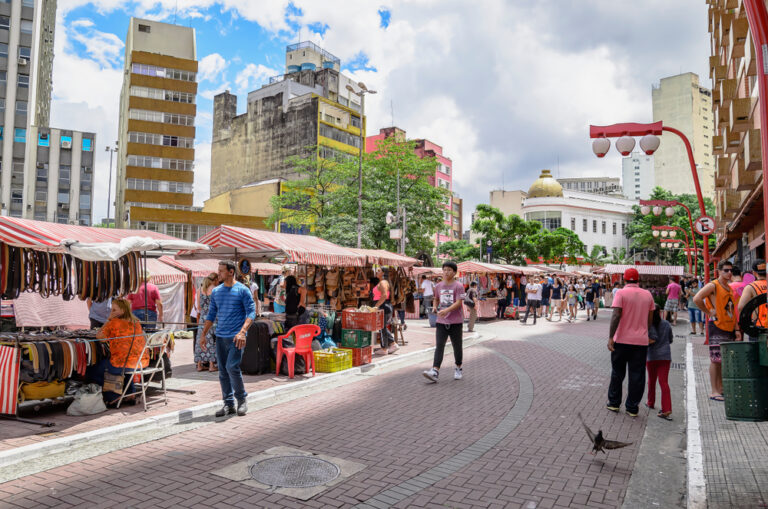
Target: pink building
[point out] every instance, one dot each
(443, 177)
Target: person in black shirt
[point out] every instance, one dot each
(595, 291)
(546, 291)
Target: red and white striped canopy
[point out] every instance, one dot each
(163, 274)
(418, 271)
(43, 235)
(482, 268)
(647, 270)
(267, 269)
(201, 267)
(382, 257)
(302, 249)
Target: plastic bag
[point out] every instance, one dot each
(88, 401)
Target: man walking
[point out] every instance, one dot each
(546, 291)
(673, 296)
(597, 292)
(232, 303)
(628, 342)
(448, 300)
(755, 288)
(718, 303)
(533, 294)
(428, 291)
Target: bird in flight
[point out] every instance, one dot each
(599, 444)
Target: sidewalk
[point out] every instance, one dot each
(15, 434)
(735, 453)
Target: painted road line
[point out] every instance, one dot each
(697, 486)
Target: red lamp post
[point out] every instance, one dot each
(648, 206)
(649, 143)
(657, 229)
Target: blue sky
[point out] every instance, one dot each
(506, 88)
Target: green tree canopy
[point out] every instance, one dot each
(460, 250)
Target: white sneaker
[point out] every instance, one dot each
(393, 348)
(457, 374)
(431, 374)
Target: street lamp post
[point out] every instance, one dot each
(111, 151)
(645, 209)
(671, 231)
(363, 90)
(490, 250)
(649, 143)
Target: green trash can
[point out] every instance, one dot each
(761, 342)
(745, 381)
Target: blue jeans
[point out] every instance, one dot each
(695, 315)
(230, 376)
(95, 374)
(149, 321)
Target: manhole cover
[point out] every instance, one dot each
(294, 472)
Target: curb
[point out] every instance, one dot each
(257, 400)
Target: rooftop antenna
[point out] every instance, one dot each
(175, 11)
(502, 180)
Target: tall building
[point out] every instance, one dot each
(637, 176)
(740, 225)
(156, 138)
(443, 178)
(309, 108)
(597, 185)
(680, 102)
(47, 174)
(509, 202)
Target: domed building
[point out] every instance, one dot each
(597, 219)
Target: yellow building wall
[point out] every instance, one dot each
(246, 201)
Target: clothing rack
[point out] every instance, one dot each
(16, 417)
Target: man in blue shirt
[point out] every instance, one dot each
(232, 304)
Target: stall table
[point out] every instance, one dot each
(486, 308)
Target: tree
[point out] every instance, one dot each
(596, 256)
(460, 250)
(558, 246)
(620, 256)
(512, 238)
(641, 235)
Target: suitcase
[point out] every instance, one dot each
(257, 354)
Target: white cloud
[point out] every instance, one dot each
(103, 47)
(211, 67)
(253, 76)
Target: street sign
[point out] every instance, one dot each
(396, 234)
(704, 225)
(488, 250)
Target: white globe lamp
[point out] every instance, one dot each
(649, 143)
(657, 211)
(645, 210)
(625, 144)
(601, 146)
(669, 211)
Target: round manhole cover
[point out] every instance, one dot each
(294, 471)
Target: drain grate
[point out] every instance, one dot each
(294, 472)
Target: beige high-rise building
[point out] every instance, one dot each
(680, 102)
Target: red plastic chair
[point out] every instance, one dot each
(303, 335)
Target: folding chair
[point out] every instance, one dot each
(158, 340)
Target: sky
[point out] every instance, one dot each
(507, 88)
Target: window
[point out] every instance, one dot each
(20, 135)
(584, 225)
(85, 201)
(64, 174)
(3, 77)
(623, 227)
(573, 224)
(43, 140)
(28, 3)
(26, 26)
(339, 135)
(3, 50)
(62, 198)
(66, 142)
(41, 196)
(603, 225)
(23, 81)
(614, 228)
(144, 28)
(42, 174)
(5, 22)
(21, 107)
(2, 107)
(355, 121)
(87, 145)
(594, 226)
(162, 72)
(25, 52)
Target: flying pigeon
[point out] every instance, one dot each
(598, 442)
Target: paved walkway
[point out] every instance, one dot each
(505, 436)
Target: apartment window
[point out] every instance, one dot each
(2, 107)
(3, 50)
(603, 225)
(614, 228)
(85, 201)
(62, 198)
(28, 3)
(21, 107)
(42, 174)
(25, 52)
(144, 28)
(23, 81)
(5, 22)
(584, 225)
(355, 121)
(594, 226)
(3, 76)
(623, 227)
(66, 142)
(64, 175)
(355, 106)
(20, 135)
(339, 135)
(573, 224)
(41, 196)
(329, 118)
(637, 186)
(43, 140)
(26, 26)
(87, 145)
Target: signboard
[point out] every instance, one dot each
(704, 225)
(488, 249)
(396, 233)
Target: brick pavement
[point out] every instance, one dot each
(399, 427)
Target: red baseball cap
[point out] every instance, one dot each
(631, 274)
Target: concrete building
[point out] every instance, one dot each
(307, 108)
(509, 202)
(443, 178)
(638, 176)
(597, 185)
(47, 174)
(155, 164)
(596, 218)
(740, 225)
(680, 102)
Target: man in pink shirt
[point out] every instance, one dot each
(628, 342)
(673, 299)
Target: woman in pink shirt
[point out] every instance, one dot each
(673, 295)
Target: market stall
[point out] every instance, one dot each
(63, 262)
(653, 278)
(489, 277)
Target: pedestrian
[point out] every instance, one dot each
(597, 292)
(546, 293)
(573, 303)
(533, 296)
(470, 300)
(737, 284)
(557, 299)
(658, 362)
(232, 305)
(295, 302)
(381, 299)
(98, 312)
(277, 290)
(755, 288)
(718, 303)
(673, 295)
(589, 299)
(628, 343)
(428, 291)
(502, 302)
(447, 302)
(206, 359)
(147, 296)
(694, 314)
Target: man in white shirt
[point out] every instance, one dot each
(428, 291)
(533, 294)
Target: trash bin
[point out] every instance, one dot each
(761, 344)
(745, 381)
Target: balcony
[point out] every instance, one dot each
(752, 150)
(732, 142)
(728, 91)
(738, 37)
(718, 148)
(723, 167)
(714, 61)
(741, 111)
(723, 115)
(743, 180)
(731, 201)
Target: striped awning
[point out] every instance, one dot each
(163, 274)
(647, 270)
(267, 269)
(201, 267)
(525, 270)
(483, 268)
(301, 249)
(418, 271)
(382, 257)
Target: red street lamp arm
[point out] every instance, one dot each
(687, 244)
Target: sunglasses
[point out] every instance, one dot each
(727, 270)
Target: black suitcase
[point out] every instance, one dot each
(257, 352)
